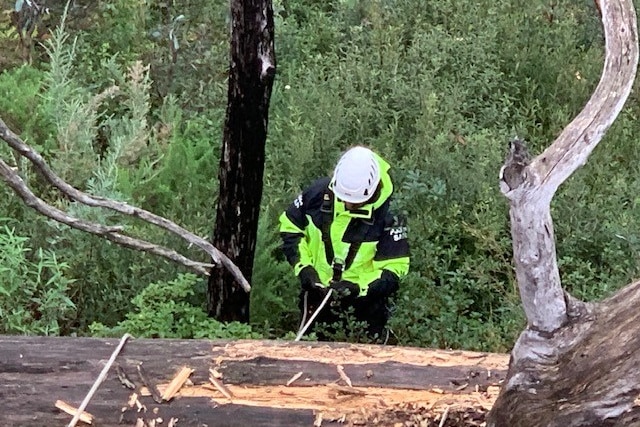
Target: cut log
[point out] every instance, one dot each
(388, 384)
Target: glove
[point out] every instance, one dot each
(383, 287)
(345, 289)
(308, 278)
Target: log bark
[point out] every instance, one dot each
(251, 76)
(576, 364)
(35, 372)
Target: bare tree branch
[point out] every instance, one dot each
(111, 233)
(530, 186)
(576, 364)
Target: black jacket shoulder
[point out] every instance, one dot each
(313, 196)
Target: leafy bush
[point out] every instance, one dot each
(274, 288)
(34, 288)
(437, 88)
(163, 310)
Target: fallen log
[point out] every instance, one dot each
(267, 382)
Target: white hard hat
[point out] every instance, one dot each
(356, 175)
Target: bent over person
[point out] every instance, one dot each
(339, 234)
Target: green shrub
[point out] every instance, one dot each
(34, 288)
(163, 310)
(274, 293)
(438, 88)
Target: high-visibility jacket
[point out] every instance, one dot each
(317, 230)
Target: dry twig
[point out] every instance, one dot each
(112, 233)
(220, 386)
(445, 414)
(99, 380)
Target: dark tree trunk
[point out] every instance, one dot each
(576, 364)
(251, 75)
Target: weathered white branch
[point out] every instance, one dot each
(576, 142)
(109, 232)
(537, 181)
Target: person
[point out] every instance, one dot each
(340, 234)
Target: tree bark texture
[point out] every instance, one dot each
(267, 383)
(251, 75)
(576, 364)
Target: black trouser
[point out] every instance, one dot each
(373, 311)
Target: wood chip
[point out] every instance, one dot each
(132, 400)
(124, 379)
(444, 417)
(85, 417)
(176, 383)
(462, 386)
(346, 390)
(220, 386)
(155, 394)
(344, 376)
(493, 389)
(173, 422)
(293, 378)
(318, 421)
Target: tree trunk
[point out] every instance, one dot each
(251, 75)
(576, 364)
(268, 383)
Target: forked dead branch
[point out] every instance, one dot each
(576, 364)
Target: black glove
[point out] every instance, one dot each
(383, 287)
(308, 278)
(345, 289)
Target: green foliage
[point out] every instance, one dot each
(274, 288)
(34, 288)
(19, 89)
(437, 88)
(163, 310)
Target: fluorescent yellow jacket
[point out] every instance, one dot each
(366, 241)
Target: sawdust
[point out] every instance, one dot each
(358, 406)
(361, 406)
(361, 354)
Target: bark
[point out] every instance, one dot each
(576, 364)
(251, 75)
(37, 371)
